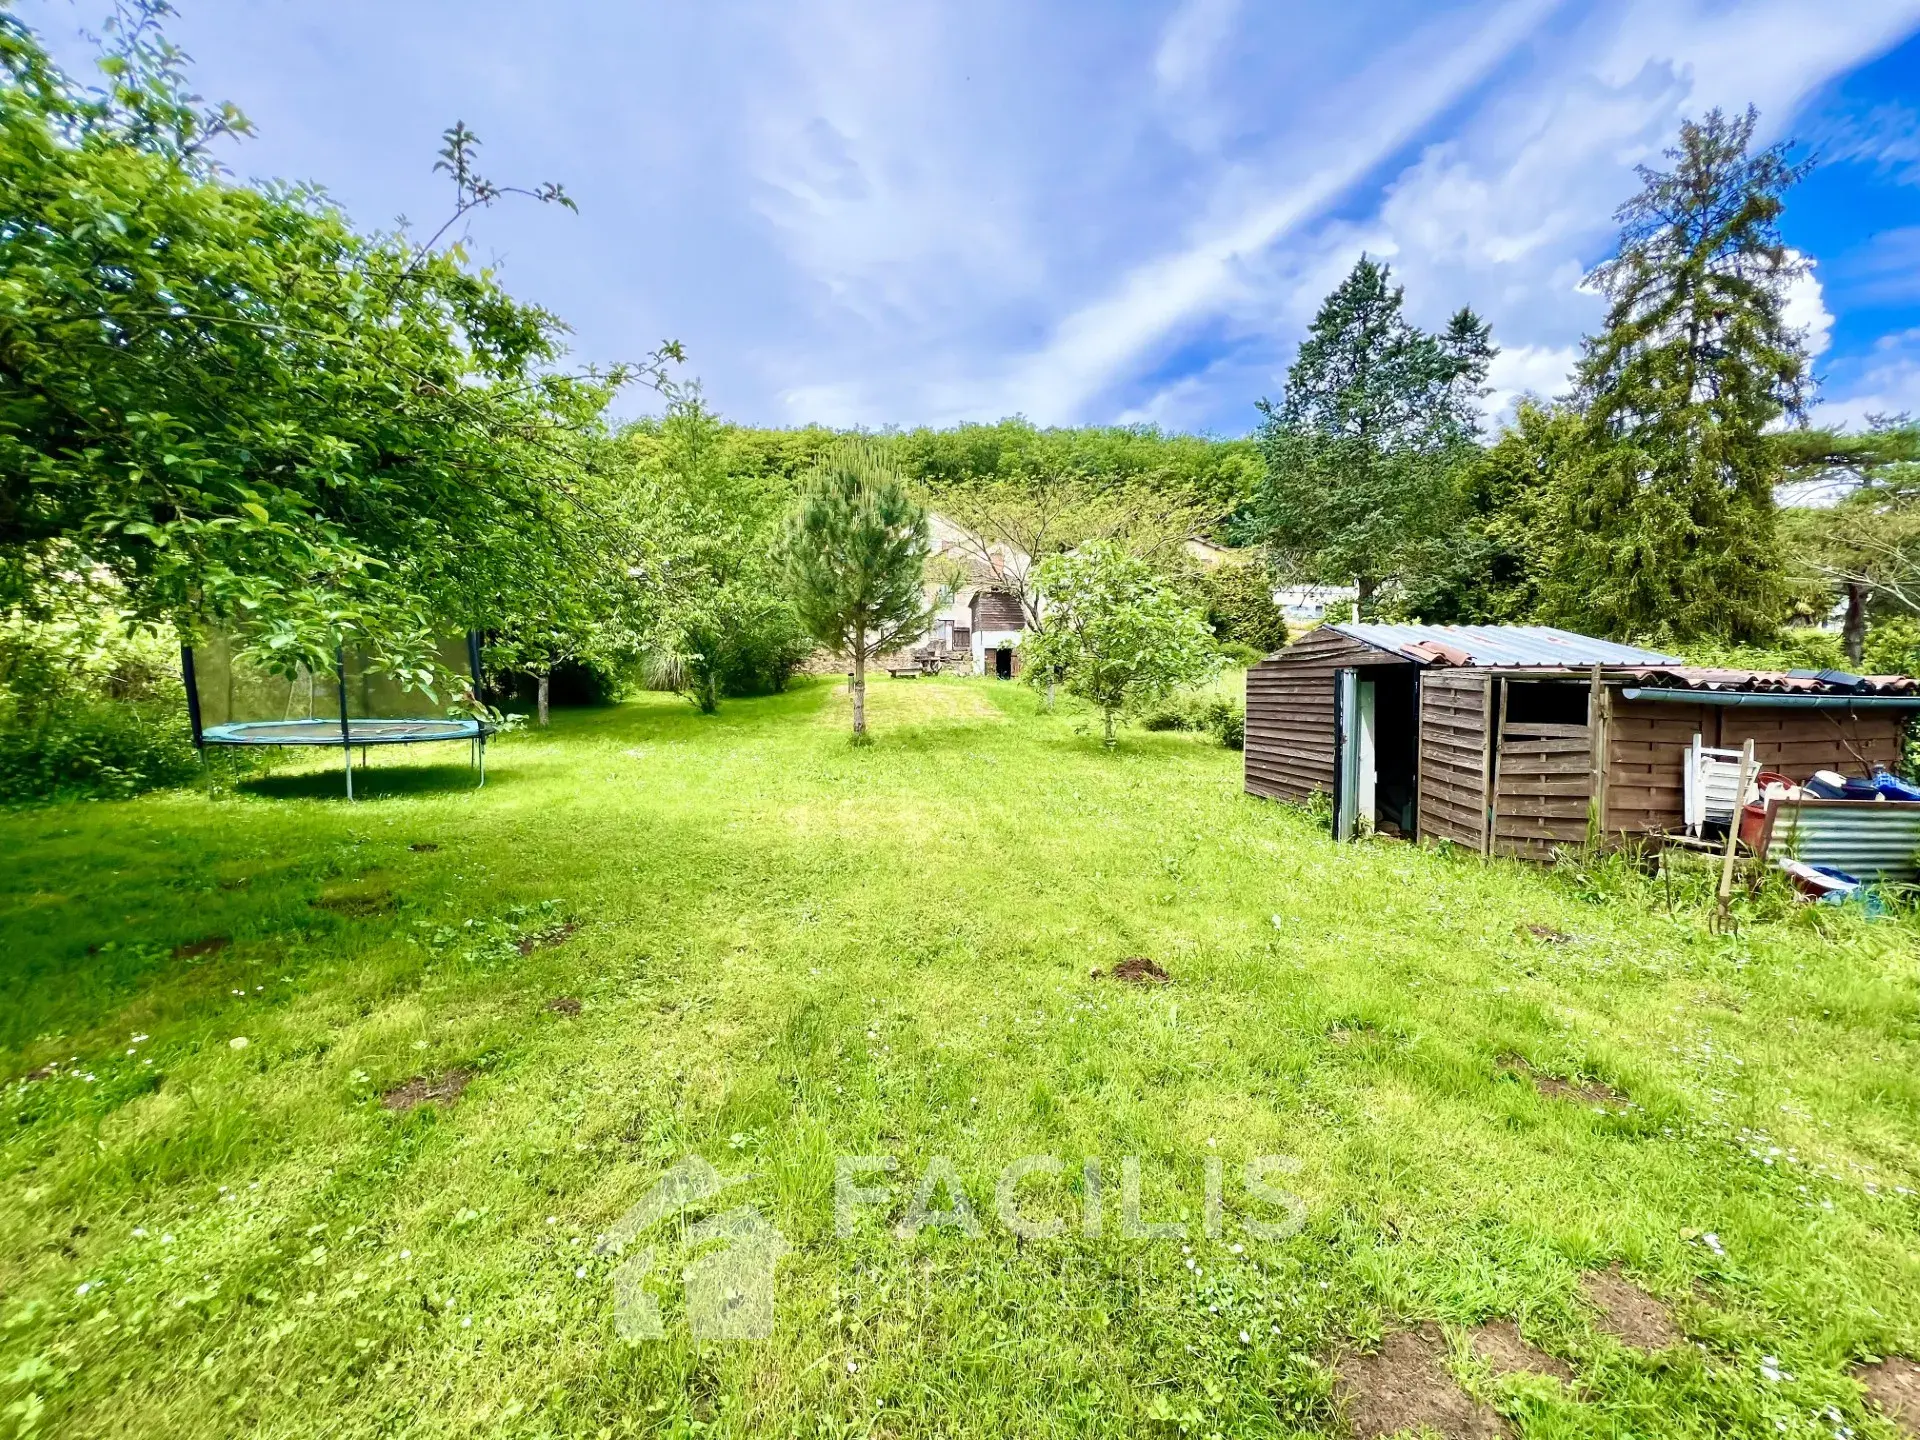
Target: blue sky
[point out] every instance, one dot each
(895, 212)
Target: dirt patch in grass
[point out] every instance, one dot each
(1352, 1034)
(1558, 1087)
(1546, 934)
(1138, 970)
(1628, 1313)
(546, 939)
(1405, 1386)
(1893, 1387)
(201, 948)
(1498, 1343)
(238, 882)
(428, 1090)
(423, 847)
(564, 1005)
(45, 1072)
(357, 904)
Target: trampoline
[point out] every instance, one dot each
(230, 702)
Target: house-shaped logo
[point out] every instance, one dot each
(728, 1279)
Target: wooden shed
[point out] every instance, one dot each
(1513, 739)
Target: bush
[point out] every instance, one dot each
(1216, 715)
(89, 707)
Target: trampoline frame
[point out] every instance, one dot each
(349, 730)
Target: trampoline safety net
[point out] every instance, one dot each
(236, 702)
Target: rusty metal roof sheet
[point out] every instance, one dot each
(1502, 645)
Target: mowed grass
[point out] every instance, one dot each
(790, 950)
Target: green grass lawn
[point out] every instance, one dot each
(789, 950)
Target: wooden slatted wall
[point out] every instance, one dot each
(1543, 781)
(1647, 743)
(1453, 755)
(1289, 752)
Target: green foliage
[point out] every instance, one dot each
(1119, 634)
(1214, 479)
(1240, 611)
(238, 406)
(709, 512)
(1361, 448)
(89, 705)
(1866, 545)
(1495, 559)
(856, 558)
(1216, 715)
(1667, 522)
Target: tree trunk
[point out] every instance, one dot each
(1047, 705)
(1363, 586)
(859, 695)
(546, 683)
(1853, 633)
(1107, 715)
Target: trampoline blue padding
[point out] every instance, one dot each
(331, 732)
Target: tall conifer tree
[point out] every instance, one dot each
(1360, 447)
(1669, 524)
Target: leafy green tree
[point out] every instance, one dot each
(857, 554)
(1120, 635)
(236, 405)
(1238, 596)
(1669, 522)
(1490, 565)
(1866, 543)
(1361, 447)
(712, 519)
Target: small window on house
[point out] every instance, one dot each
(1547, 702)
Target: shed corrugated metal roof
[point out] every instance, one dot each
(1522, 645)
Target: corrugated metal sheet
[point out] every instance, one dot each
(1540, 645)
(1867, 839)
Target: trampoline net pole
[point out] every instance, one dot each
(346, 732)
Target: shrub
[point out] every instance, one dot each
(89, 707)
(1218, 716)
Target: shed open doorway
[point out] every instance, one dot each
(1003, 664)
(1377, 735)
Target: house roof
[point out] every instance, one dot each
(1502, 645)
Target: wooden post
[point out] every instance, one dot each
(1597, 763)
(1496, 726)
(1733, 831)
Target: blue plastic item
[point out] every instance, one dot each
(1824, 789)
(1856, 789)
(1893, 787)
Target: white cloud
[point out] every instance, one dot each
(1191, 41)
(1102, 341)
(1805, 308)
(1886, 381)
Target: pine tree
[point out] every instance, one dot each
(1360, 447)
(1670, 519)
(856, 561)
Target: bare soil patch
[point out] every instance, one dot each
(357, 904)
(1352, 1034)
(1138, 970)
(1547, 934)
(1498, 1343)
(546, 939)
(1893, 1386)
(428, 1090)
(1558, 1087)
(1405, 1386)
(1628, 1313)
(423, 847)
(564, 1005)
(198, 949)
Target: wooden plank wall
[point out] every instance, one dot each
(1289, 752)
(1543, 782)
(1647, 742)
(1454, 717)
